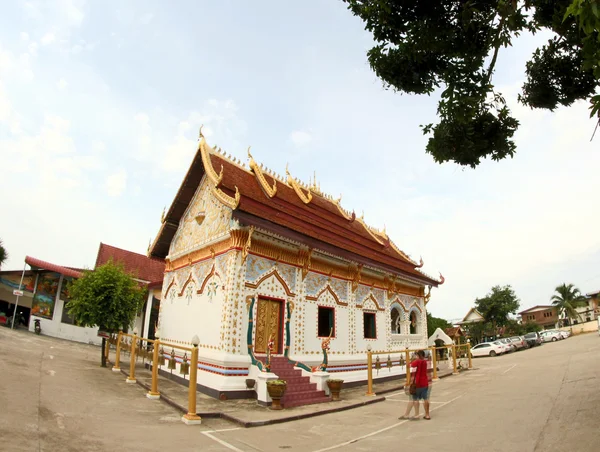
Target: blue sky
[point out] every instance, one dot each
(100, 105)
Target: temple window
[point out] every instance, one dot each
(395, 321)
(326, 322)
(369, 325)
(414, 323)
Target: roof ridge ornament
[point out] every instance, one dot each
(208, 167)
(294, 184)
(231, 202)
(255, 168)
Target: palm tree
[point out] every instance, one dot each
(3, 254)
(566, 300)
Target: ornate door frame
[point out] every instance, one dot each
(260, 337)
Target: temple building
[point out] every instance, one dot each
(257, 263)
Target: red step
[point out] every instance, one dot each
(300, 391)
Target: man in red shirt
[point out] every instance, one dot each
(421, 380)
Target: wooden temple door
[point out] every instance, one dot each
(268, 324)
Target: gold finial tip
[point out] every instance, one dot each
(249, 155)
(200, 135)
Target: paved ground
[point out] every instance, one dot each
(54, 397)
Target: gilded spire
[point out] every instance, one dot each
(294, 184)
(255, 168)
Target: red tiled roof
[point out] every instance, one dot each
(320, 219)
(139, 266)
(38, 263)
(453, 331)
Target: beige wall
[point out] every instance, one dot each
(586, 327)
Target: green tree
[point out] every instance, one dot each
(434, 323)
(531, 327)
(566, 300)
(108, 298)
(497, 305)
(3, 254)
(453, 46)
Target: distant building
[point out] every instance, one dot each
(544, 315)
(45, 293)
(473, 316)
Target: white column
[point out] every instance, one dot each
(146, 328)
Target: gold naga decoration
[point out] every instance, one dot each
(370, 230)
(231, 202)
(246, 248)
(427, 295)
(304, 257)
(421, 263)
(294, 184)
(355, 275)
(347, 215)
(270, 191)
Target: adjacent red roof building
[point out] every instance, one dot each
(143, 268)
(43, 265)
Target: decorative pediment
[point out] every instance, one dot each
(190, 279)
(213, 272)
(277, 276)
(367, 301)
(328, 289)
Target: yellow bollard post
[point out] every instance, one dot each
(434, 363)
(455, 372)
(116, 367)
(131, 377)
(153, 393)
(192, 417)
(407, 368)
(370, 374)
(469, 355)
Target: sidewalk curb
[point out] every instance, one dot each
(248, 424)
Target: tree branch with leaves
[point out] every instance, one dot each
(453, 46)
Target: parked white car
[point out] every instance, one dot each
(551, 336)
(488, 349)
(519, 342)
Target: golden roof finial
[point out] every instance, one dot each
(292, 182)
(270, 191)
(162, 217)
(200, 135)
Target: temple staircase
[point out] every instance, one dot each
(300, 391)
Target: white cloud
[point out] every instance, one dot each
(33, 48)
(300, 138)
(116, 183)
(48, 39)
(61, 84)
(147, 18)
(24, 36)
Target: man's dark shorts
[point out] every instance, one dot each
(422, 393)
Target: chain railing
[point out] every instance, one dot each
(454, 351)
(154, 350)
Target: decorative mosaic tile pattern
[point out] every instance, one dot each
(313, 283)
(190, 234)
(257, 266)
(340, 287)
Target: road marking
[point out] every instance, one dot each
(346, 443)
(220, 441)
(510, 368)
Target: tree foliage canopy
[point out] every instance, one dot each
(454, 45)
(107, 297)
(3, 253)
(567, 299)
(434, 323)
(498, 304)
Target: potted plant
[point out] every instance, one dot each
(250, 383)
(335, 386)
(276, 389)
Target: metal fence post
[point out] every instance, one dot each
(407, 367)
(192, 417)
(454, 359)
(153, 393)
(116, 367)
(131, 377)
(370, 374)
(434, 363)
(469, 355)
